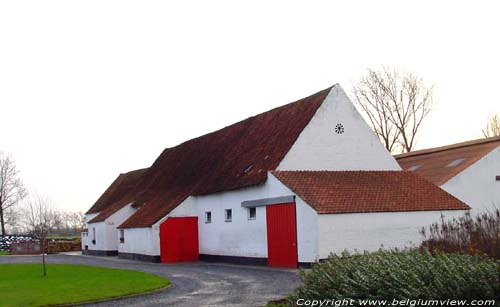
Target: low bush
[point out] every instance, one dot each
(478, 235)
(401, 275)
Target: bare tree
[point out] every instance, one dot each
(76, 221)
(11, 188)
(39, 218)
(396, 102)
(492, 126)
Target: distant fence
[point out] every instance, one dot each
(25, 248)
(7, 241)
(28, 245)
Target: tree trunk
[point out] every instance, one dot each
(43, 258)
(2, 222)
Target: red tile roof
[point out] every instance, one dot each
(331, 192)
(234, 157)
(117, 195)
(434, 164)
(123, 183)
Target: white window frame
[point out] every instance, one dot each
(208, 217)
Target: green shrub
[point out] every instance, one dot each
(401, 275)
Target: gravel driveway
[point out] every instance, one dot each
(193, 284)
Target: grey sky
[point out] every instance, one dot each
(90, 89)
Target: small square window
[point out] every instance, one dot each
(229, 215)
(252, 213)
(208, 217)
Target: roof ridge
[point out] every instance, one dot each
(232, 157)
(448, 147)
(250, 117)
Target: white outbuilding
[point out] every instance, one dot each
(470, 171)
(284, 188)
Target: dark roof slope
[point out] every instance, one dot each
(120, 186)
(234, 157)
(440, 164)
(330, 192)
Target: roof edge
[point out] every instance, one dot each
(448, 147)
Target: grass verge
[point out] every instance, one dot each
(3, 253)
(24, 285)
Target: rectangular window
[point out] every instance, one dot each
(208, 217)
(122, 236)
(229, 215)
(93, 235)
(252, 213)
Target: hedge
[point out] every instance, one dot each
(401, 275)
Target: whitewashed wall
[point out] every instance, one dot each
(87, 240)
(476, 185)
(107, 235)
(240, 237)
(146, 240)
(370, 231)
(320, 148)
(100, 236)
(143, 241)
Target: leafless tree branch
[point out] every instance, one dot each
(12, 190)
(492, 126)
(395, 102)
(39, 215)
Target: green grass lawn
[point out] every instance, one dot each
(23, 284)
(3, 253)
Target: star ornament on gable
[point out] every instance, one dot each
(339, 129)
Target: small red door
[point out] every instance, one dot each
(179, 239)
(281, 235)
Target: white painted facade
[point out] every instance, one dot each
(241, 236)
(319, 147)
(317, 235)
(371, 231)
(86, 239)
(106, 234)
(142, 241)
(477, 185)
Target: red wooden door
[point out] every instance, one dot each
(281, 235)
(179, 239)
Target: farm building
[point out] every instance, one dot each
(284, 188)
(470, 171)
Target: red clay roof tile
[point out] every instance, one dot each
(331, 192)
(116, 196)
(121, 185)
(440, 164)
(234, 157)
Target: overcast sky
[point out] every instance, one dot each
(89, 89)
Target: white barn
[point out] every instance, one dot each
(284, 188)
(470, 171)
